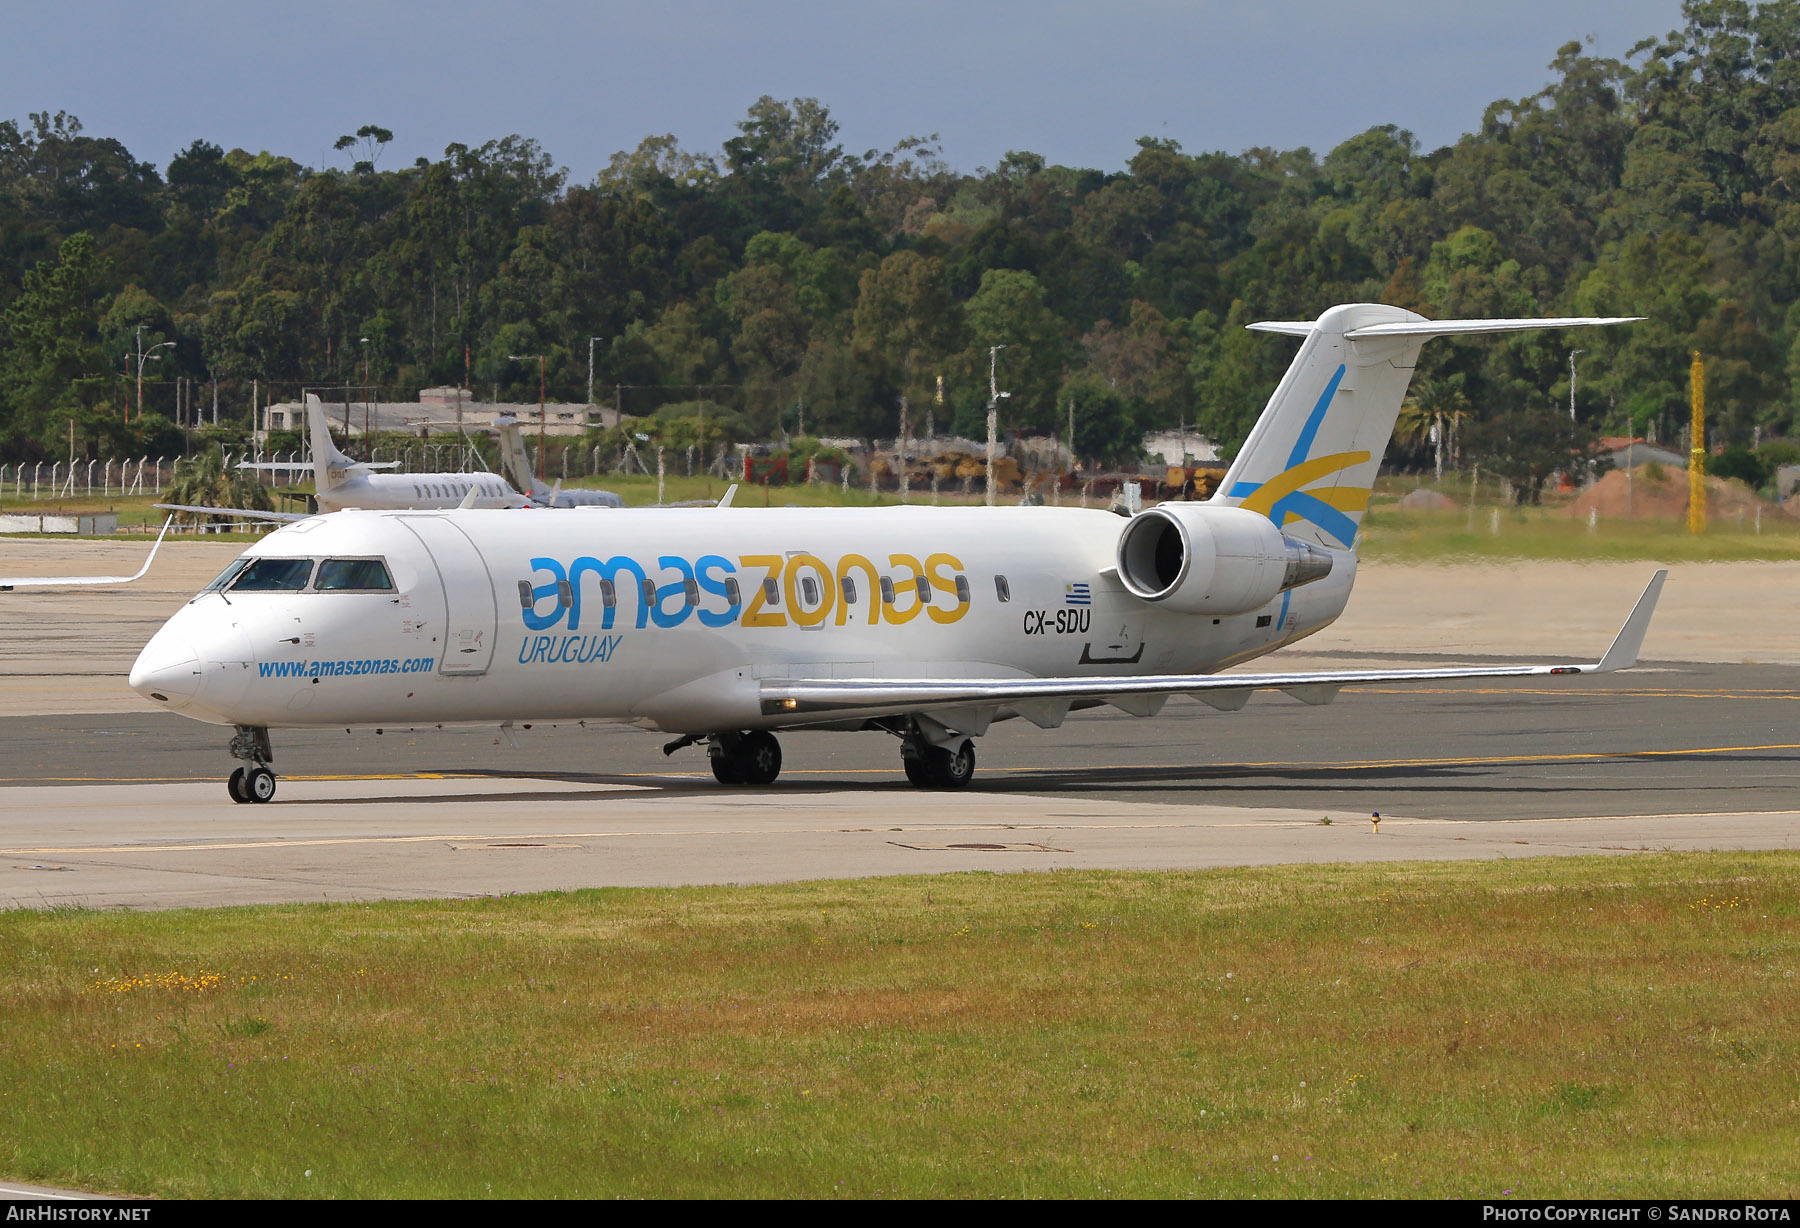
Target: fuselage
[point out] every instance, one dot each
(670, 618)
(356, 487)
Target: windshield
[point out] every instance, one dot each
(340, 575)
(273, 576)
(227, 576)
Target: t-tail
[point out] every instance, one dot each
(329, 465)
(513, 461)
(1310, 461)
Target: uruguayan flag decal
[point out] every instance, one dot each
(1077, 594)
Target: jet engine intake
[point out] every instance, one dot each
(1200, 559)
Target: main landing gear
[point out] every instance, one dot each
(752, 758)
(931, 766)
(253, 782)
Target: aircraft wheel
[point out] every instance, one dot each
(235, 787)
(759, 758)
(917, 770)
(259, 784)
(725, 769)
(951, 769)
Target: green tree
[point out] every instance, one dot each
(205, 481)
(51, 365)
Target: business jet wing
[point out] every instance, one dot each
(8, 583)
(242, 513)
(965, 702)
(307, 466)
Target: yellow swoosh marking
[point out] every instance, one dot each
(1276, 488)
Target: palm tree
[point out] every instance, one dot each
(1434, 411)
(204, 481)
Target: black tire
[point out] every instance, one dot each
(259, 784)
(952, 769)
(235, 787)
(759, 758)
(725, 769)
(917, 770)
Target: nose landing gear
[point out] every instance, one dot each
(253, 782)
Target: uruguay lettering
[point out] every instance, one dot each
(771, 590)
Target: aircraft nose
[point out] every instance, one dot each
(167, 671)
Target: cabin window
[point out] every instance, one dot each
(649, 588)
(525, 602)
(361, 575)
(962, 589)
(887, 591)
(692, 589)
(1002, 589)
(609, 596)
(924, 587)
(565, 594)
(809, 590)
(849, 587)
(274, 576)
(731, 591)
(771, 591)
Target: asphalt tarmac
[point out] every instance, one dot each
(107, 803)
(130, 810)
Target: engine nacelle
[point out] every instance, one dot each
(1201, 559)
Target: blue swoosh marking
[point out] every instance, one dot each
(1316, 419)
(1310, 507)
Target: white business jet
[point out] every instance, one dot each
(726, 626)
(340, 482)
(515, 462)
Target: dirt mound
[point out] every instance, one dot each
(1428, 501)
(1653, 491)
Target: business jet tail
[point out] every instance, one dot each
(1311, 459)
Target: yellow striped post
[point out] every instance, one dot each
(1697, 453)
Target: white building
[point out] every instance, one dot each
(437, 410)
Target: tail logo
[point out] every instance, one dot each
(1282, 499)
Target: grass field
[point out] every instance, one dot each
(1619, 1027)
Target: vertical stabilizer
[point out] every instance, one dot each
(329, 464)
(1310, 461)
(513, 461)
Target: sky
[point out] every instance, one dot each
(1075, 82)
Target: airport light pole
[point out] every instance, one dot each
(1572, 354)
(994, 397)
(540, 363)
(144, 356)
(591, 341)
(366, 412)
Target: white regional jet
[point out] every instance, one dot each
(727, 625)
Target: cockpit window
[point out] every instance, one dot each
(273, 576)
(227, 576)
(363, 575)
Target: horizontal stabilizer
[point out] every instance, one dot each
(1447, 328)
(1441, 328)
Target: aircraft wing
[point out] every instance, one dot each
(8, 583)
(241, 512)
(276, 466)
(1045, 700)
